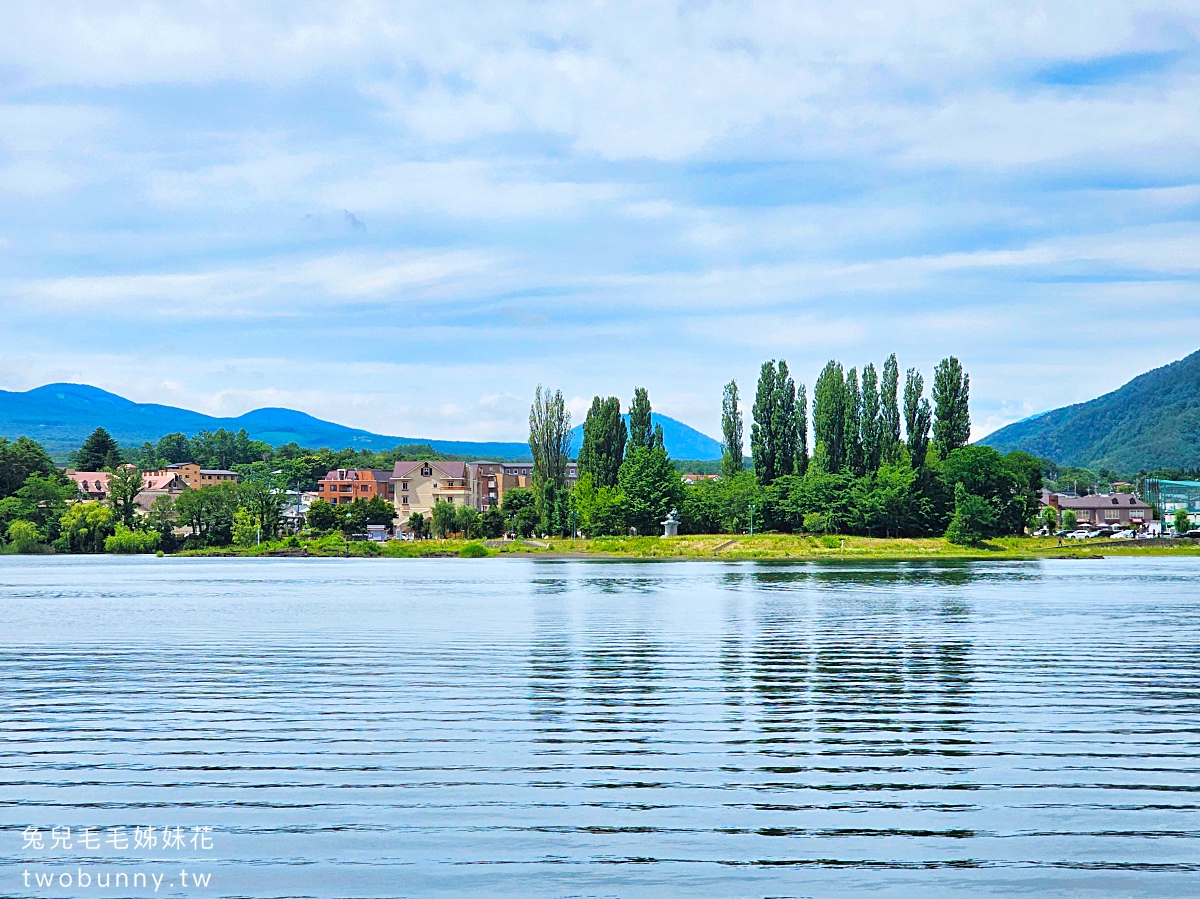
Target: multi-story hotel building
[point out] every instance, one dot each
(345, 485)
(418, 485)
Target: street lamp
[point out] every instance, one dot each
(752, 519)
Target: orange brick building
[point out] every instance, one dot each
(345, 485)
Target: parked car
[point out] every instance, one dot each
(1193, 533)
(1124, 535)
(1079, 535)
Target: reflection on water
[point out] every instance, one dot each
(444, 727)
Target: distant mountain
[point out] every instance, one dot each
(1152, 422)
(60, 416)
(682, 441)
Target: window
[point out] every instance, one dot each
(364, 488)
(426, 472)
(404, 500)
(320, 488)
(1112, 514)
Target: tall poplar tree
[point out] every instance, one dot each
(917, 417)
(641, 429)
(951, 407)
(604, 438)
(853, 429)
(829, 416)
(801, 430)
(889, 411)
(762, 437)
(872, 423)
(783, 422)
(549, 438)
(731, 432)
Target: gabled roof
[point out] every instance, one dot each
(1102, 501)
(441, 466)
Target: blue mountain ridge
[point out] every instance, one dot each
(60, 416)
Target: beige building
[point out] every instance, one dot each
(418, 485)
(195, 476)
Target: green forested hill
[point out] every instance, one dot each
(1152, 422)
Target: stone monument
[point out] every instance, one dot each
(671, 525)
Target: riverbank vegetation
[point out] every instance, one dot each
(878, 463)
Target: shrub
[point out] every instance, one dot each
(974, 518)
(126, 540)
(474, 551)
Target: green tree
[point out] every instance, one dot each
(124, 485)
(466, 521)
(45, 499)
(917, 417)
(322, 516)
(720, 506)
(418, 524)
(604, 438)
(245, 528)
(952, 415)
(763, 445)
(264, 503)
(549, 438)
(208, 512)
(1050, 519)
(86, 526)
(984, 472)
(852, 431)
(1070, 520)
(1183, 523)
(974, 518)
(889, 412)
(598, 508)
(161, 518)
(519, 507)
(378, 510)
(130, 540)
(21, 458)
(640, 420)
(98, 452)
(173, 449)
(784, 424)
(801, 429)
(443, 518)
(829, 415)
(491, 524)
(872, 421)
(732, 461)
(650, 488)
(23, 536)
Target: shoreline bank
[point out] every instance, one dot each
(718, 547)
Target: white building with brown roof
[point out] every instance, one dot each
(93, 486)
(1112, 509)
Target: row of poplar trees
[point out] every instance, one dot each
(856, 424)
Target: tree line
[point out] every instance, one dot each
(884, 461)
(874, 458)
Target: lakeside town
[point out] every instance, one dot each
(883, 466)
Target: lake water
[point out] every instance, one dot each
(380, 728)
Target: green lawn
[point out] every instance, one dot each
(724, 546)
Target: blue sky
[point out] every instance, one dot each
(404, 217)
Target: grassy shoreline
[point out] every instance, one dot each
(716, 547)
